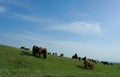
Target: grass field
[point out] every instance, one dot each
(15, 62)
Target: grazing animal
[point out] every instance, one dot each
(75, 56)
(91, 66)
(92, 60)
(84, 58)
(79, 58)
(55, 54)
(39, 51)
(44, 51)
(24, 48)
(34, 49)
(49, 53)
(105, 62)
(111, 64)
(61, 55)
(88, 65)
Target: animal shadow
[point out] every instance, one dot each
(80, 67)
(25, 53)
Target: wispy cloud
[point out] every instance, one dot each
(77, 14)
(79, 27)
(2, 10)
(28, 18)
(35, 19)
(18, 3)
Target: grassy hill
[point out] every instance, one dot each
(15, 62)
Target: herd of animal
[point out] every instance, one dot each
(88, 63)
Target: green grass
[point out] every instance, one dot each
(15, 62)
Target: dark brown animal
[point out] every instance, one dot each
(39, 50)
(88, 65)
(91, 66)
(34, 49)
(44, 51)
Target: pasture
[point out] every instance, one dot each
(15, 62)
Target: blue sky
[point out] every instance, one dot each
(87, 27)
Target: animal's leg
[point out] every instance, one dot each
(34, 53)
(39, 55)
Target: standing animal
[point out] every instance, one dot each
(79, 58)
(39, 51)
(44, 51)
(75, 56)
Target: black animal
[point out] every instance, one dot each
(79, 58)
(84, 58)
(61, 55)
(75, 56)
(105, 62)
(24, 48)
(111, 64)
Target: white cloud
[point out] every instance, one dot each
(18, 3)
(80, 27)
(35, 19)
(28, 18)
(2, 10)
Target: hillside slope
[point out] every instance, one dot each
(15, 62)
